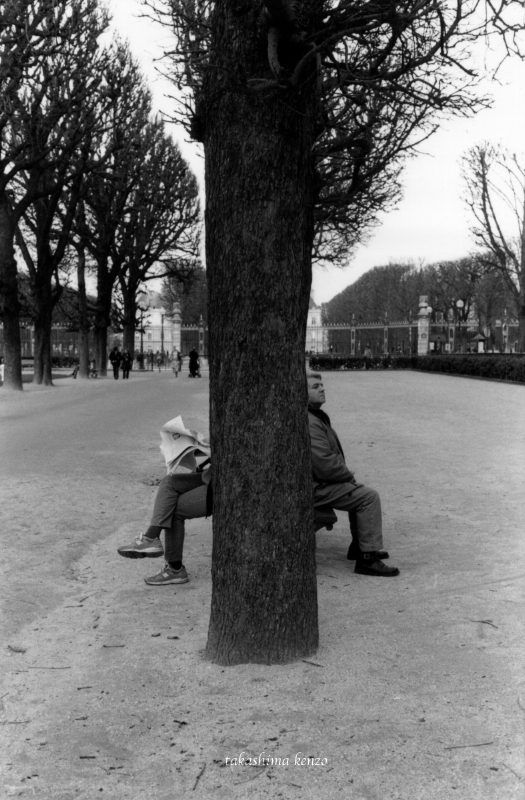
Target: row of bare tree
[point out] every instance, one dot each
(393, 292)
(89, 179)
(489, 282)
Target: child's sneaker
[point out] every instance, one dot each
(142, 547)
(168, 575)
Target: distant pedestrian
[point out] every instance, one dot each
(176, 364)
(115, 358)
(150, 359)
(194, 364)
(368, 357)
(127, 363)
(158, 360)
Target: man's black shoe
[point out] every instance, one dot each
(354, 552)
(370, 564)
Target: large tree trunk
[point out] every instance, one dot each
(9, 299)
(101, 349)
(102, 317)
(130, 312)
(521, 284)
(43, 364)
(83, 320)
(259, 231)
(43, 303)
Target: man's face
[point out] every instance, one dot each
(316, 395)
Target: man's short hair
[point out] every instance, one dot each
(313, 375)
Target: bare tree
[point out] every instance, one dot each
(495, 182)
(269, 88)
(446, 282)
(46, 93)
(107, 191)
(159, 232)
(391, 291)
(191, 295)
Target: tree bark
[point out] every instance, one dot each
(43, 320)
(260, 192)
(9, 299)
(129, 296)
(83, 320)
(101, 349)
(521, 284)
(102, 316)
(42, 354)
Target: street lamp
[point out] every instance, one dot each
(162, 335)
(141, 323)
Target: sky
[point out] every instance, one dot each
(431, 222)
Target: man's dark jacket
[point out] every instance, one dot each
(332, 478)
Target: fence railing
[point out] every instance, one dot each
(401, 338)
(343, 339)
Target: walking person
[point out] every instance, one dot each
(115, 358)
(127, 363)
(194, 364)
(176, 363)
(368, 357)
(158, 360)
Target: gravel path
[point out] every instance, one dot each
(417, 690)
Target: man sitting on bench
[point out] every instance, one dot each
(335, 486)
(188, 496)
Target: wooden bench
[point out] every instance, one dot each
(324, 517)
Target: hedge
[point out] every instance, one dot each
(484, 365)
(349, 362)
(68, 362)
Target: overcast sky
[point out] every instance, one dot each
(432, 222)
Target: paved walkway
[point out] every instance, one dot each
(417, 689)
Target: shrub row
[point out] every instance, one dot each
(349, 362)
(492, 366)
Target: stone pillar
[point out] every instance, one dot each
(451, 339)
(176, 328)
(423, 326)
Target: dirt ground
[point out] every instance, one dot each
(417, 690)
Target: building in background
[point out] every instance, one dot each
(316, 333)
(163, 330)
(161, 326)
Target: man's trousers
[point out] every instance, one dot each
(364, 512)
